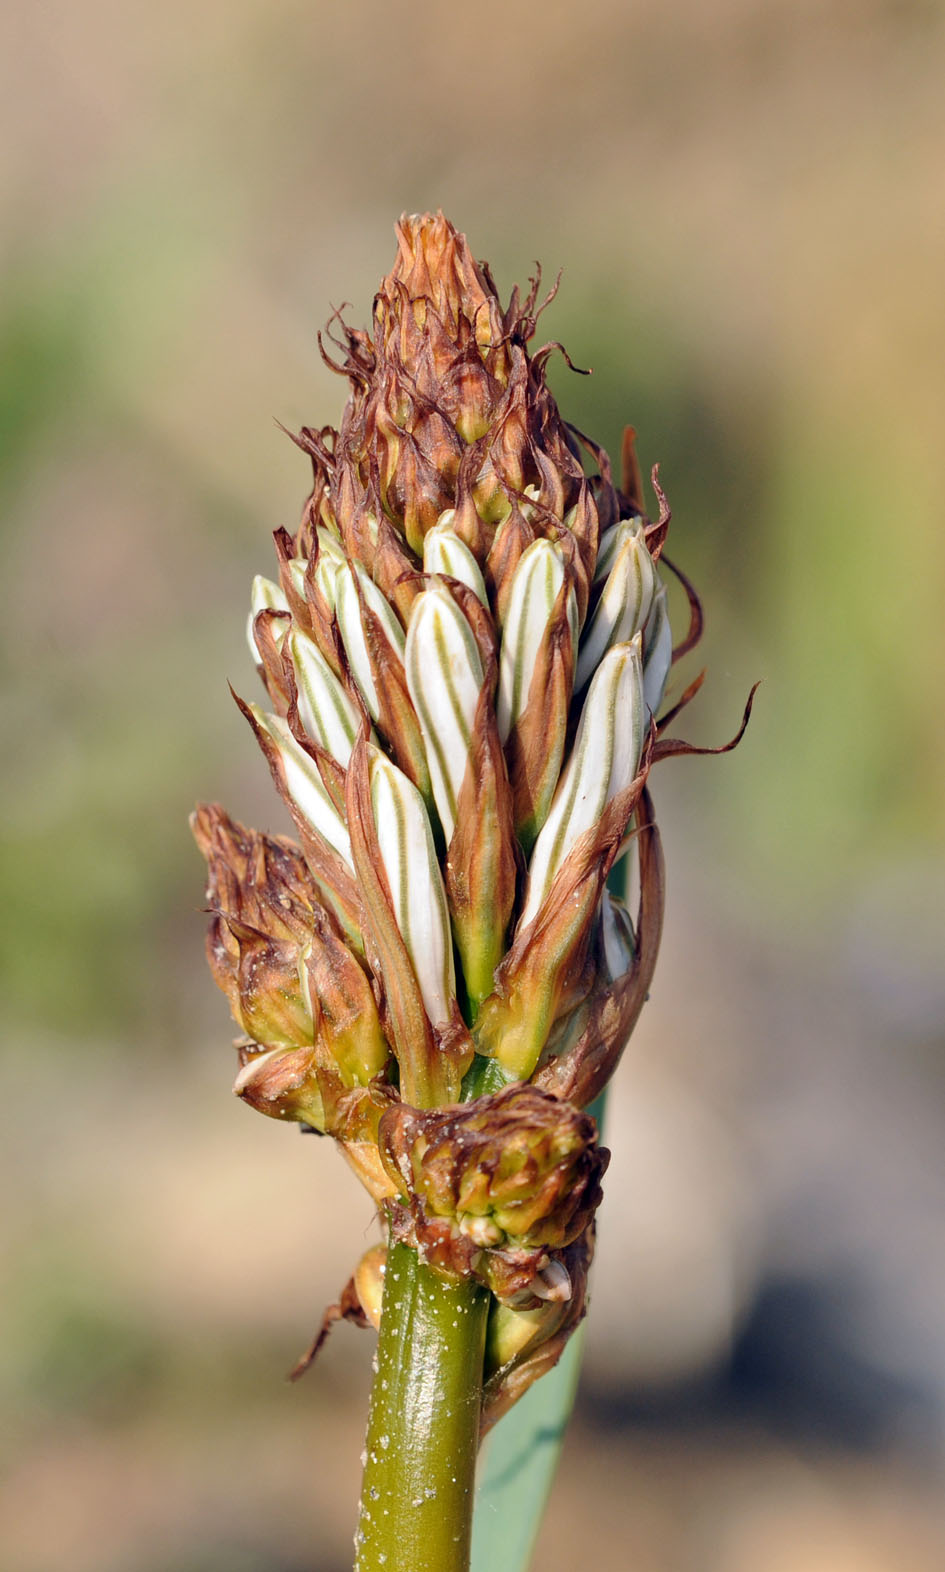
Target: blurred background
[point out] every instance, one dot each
(748, 203)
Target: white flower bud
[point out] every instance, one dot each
(624, 602)
(326, 712)
(330, 559)
(348, 612)
(444, 678)
(603, 762)
(304, 785)
(657, 651)
(610, 543)
(413, 875)
(265, 596)
(536, 581)
(444, 552)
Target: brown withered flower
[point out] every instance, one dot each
(492, 1188)
(464, 653)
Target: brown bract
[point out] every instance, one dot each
(447, 410)
(489, 1188)
(262, 899)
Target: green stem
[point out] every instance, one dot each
(423, 1433)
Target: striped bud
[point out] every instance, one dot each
(348, 611)
(624, 602)
(536, 582)
(326, 712)
(657, 651)
(610, 542)
(303, 785)
(330, 560)
(444, 552)
(444, 677)
(603, 762)
(416, 886)
(265, 596)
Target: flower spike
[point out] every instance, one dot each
(464, 646)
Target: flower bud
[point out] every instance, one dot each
(344, 1012)
(536, 582)
(444, 552)
(603, 762)
(304, 786)
(369, 1282)
(624, 602)
(325, 710)
(265, 596)
(444, 678)
(617, 938)
(328, 563)
(657, 651)
(348, 603)
(413, 877)
(610, 543)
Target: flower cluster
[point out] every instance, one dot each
(464, 655)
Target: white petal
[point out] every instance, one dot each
(624, 603)
(536, 581)
(444, 678)
(409, 858)
(325, 710)
(305, 786)
(445, 552)
(603, 762)
(264, 596)
(348, 612)
(657, 651)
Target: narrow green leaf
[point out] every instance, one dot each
(518, 1465)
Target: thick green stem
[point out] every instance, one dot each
(423, 1433)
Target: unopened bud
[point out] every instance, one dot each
(618, 941)
(369, 1282)
(534, 589)
(610, 542)
(415, 883)
(444, 552)
(348, 612)
(657, 651)
(444, 677)
(624, 603)
(325, 710)
(303, 784)
(331, 558)
(265, 596)
(342, 1005)
(603, 762)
